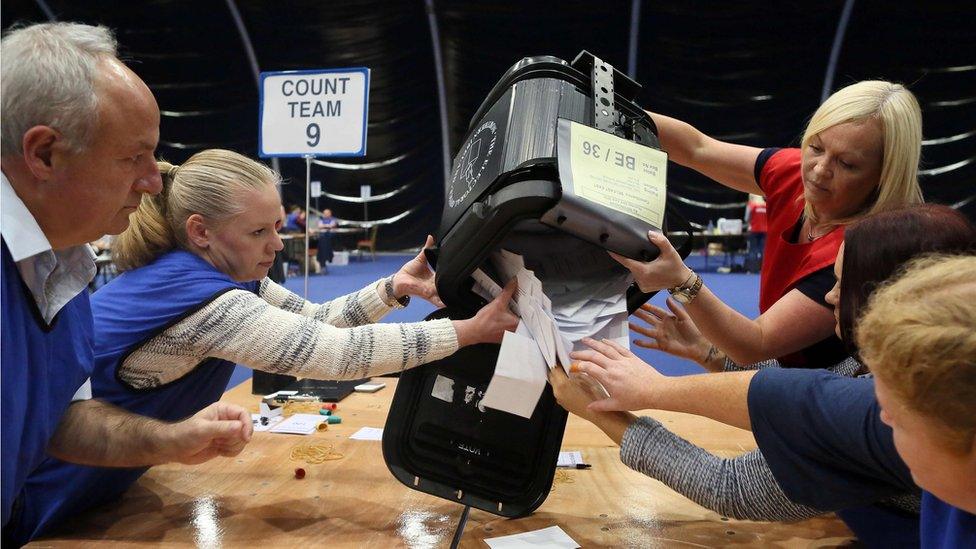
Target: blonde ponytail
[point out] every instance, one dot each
(149, 234)
(209, 183)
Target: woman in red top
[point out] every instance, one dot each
(756, 218)
(859, 155)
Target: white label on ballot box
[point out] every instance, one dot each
(614, 172)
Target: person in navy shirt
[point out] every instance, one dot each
(825, 437)
(79, 130)
(919, 338)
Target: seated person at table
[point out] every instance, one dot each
(294, 222)
(194, 299)
(859, 155)
(326, 224)
(875, 248)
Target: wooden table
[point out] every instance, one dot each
(255, 499)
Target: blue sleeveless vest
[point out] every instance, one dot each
(129, 311)
(42, 368)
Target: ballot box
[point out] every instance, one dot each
(559, 166)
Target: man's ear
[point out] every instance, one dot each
(197, 232)
(40, 147)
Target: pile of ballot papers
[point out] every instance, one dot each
(574, 302)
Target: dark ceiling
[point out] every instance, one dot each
(748, 71)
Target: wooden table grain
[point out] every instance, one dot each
(255, 499)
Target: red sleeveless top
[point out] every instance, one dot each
(784, 262)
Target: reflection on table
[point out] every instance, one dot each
(255, 499)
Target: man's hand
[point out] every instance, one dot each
(415, 278)
(96, 433)
(220, 429)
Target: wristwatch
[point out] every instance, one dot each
(686, 292)
(391, 299)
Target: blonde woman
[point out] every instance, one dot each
(859, 155)
(195, 299)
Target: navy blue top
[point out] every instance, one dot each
(42, 368)
(128, 312)
(825, 443)
(945, 526)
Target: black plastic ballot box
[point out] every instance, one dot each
(513, 186)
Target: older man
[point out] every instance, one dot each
(79, 131)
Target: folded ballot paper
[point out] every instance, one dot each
(554, 318)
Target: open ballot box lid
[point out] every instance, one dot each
(559, 166)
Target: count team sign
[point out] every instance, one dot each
(314, 112)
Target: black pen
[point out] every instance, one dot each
(583, 466)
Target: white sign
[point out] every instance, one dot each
(316, 189)
(365, 191)
(315, 112)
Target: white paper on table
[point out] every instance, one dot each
(569, 459)
(519, 379)
(368, 433)
(272, 421)
(552, 537)
(299, 424)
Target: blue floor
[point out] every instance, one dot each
(740, 291)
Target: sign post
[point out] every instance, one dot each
(312, 113)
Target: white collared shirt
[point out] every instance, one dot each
(53, 277)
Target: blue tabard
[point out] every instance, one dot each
(43, 366)
(128, 312)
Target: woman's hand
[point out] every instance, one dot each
(667, 271)
(674, 333)
(491, 322)
(415, 278)
(630, 381)
(573, 394)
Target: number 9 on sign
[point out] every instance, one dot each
(313, 132)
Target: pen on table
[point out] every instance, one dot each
(583, 466)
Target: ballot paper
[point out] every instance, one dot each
(299, 424)
(368, 433)
(569, 459)
(519, 379)
(553, 537)
(555, 317)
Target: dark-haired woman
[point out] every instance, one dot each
(881, 509)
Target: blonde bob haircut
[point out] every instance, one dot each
(209, 183)
(901, 122)
(918, 336)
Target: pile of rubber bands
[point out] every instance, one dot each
(314, 452)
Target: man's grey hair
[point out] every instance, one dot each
(47, 78)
